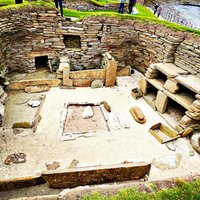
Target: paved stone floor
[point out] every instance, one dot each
(134, 144)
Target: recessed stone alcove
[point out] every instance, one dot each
(72, 41)
(41, 62)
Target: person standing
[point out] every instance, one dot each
(131, 5)
(159, 10)
(121, 6)
(156, 8)
(59, 2)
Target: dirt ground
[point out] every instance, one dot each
(134, 144)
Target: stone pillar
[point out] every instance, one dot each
(111, 72)
(66, 80)
(161, 102)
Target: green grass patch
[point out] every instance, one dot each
(144, 15)
(182, 191)
(10, 4)
(103, 2)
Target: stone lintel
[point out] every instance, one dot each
(73, 177)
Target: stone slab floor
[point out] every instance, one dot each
(134, 144)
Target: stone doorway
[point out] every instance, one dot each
(41, 62)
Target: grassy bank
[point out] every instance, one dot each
(182, 191)
(144, 13)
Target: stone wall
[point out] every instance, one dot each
(131, 42)
(187, 55)
(23, 37)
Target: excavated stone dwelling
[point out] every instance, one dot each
(77, 53)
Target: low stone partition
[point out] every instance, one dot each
(107, 74)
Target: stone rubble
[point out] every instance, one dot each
(87, 112)
(167, 162)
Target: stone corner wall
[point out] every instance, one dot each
(23, 37)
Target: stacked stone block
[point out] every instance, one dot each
(151, 72)
(194, 110)
(187, 56)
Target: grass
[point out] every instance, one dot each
(182, 191)
(144, 13)
(10, 4)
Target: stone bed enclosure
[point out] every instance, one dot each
(31, 38)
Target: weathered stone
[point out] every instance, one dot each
(22, 125)
(82, 82)
(169, 69)
(66, 80)
(161, 102)
(195, 141)
(192, 82)
(97, 84)
(111, 72)
(125, 71)
(188, 122)
(136, 93)
(15, 158)
(197, 96)
(138, 115)
(73, 177)
(21, 85)
(143, 86)
(20, 182)
(167, 162)
(187, 132)
(171, 86)
(37, 88)
(196, 103)
(90, 74)
(106, 106)
(87, 112)
(74, 163)
(52, 165)
(192, 108)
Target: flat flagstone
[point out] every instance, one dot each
(169, 69)
(191, 82)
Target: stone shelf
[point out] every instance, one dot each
(169, 69)
(184, 99)
(191, 82)
(157, 83)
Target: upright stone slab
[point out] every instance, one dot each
(66, 80)
(111, 72)
(143, 86)
(171, 86)
(161, 102)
